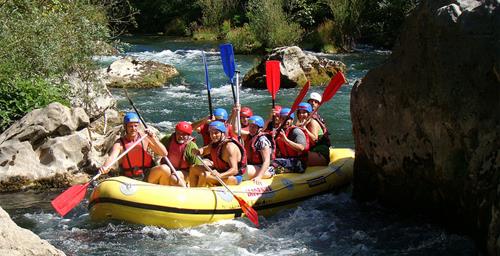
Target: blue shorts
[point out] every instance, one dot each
(239, 178)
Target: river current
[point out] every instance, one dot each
(330, 224)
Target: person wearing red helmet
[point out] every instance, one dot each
(245, 114)
(273, 122)
(138, 163)
(179, 145)
(227, 156)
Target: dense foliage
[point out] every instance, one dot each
(326, 25)
(41, 41)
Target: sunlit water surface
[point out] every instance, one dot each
(324, 225)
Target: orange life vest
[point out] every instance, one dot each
(136, 159)
(176, 153)
(220, 164)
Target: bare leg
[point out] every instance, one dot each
(252, 170)
(177, 180)
(193, 177)
(202, 181)
(159, 175)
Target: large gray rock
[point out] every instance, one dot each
(426, 123)
(128, 72)
(296, 68)
(16, 241)
(51, 121)
(49, 147)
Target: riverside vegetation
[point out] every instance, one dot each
(43, 41)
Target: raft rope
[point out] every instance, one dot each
(235, 191)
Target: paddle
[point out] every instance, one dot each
(208, 84)
(295, 105)
(332, 88)
(174, 171)
(273, 78)
(245, 207)
(71, 197)
(227, 58)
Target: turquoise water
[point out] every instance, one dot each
(185, 97)
(330, 224)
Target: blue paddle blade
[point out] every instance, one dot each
(227, 57)
(206, 70)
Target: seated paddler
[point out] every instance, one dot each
(227, 159)
(138, 162)
(179, 145)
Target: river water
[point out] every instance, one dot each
(330, 224)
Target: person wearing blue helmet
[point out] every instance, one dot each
(292, 145)
(318, 133)
(259, 146)
(201, 126)
(227, 157)
(138, 163)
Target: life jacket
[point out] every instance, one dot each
(254, 156)
(205, 134)
(176, 153)
(323, 139)
(220, 164)
(286, 151)
(136, 160)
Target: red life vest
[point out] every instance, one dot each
(176, 153)
(136, 159)
(254, 156)
(220, 164)
(206, 134)
(286, 151)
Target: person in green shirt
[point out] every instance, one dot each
(179, 145)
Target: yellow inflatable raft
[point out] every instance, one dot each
(122, 198)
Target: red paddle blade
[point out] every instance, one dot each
(69, 199)
(334, 85)
(300, 97)
(273, 77)
(249, 211)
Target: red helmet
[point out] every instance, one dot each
(246, 112)
(184, 127)
(277, 109)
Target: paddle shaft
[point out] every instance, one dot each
(238, 118)
(210, 109)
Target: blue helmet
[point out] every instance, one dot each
(305, 106)
(131, 117)
(220, 114)
(257, 120)
(220, 126)
(285, 111)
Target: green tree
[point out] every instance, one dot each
(270, 24)
(41, 41)
(346, 15)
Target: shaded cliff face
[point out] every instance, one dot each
(426, 123)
